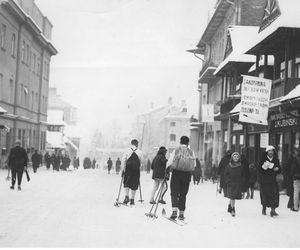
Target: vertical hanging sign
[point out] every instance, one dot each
(255, 98)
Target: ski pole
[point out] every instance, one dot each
(158, 195)
(161, 195)
(117, 200)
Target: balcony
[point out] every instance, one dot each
(281, 88)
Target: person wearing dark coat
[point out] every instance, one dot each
(245, 165)
(47, 159)
(251, 181)
(118, 165)
(57, 161)
(222, 165)
(36, 161)
(234, 181)
(268, 169)
(295, 169)
(289, 179)
(109, 165)
(158, 166)
(94, 163)
(17, 161)
(197, 172)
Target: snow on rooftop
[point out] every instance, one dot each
(294, 94)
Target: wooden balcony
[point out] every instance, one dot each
(281, 88)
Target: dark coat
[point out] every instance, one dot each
(109, 164)
(245, 165)
(197, 172)
(17, 158)
(234, 180)
(158, 166)
(222, 165)
(289, 177)
(36, 159)
(252, 176)
(269, 191)
(118, 165)
(295, 169)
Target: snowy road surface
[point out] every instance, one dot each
(75, 209)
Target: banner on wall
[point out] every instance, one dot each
(208, 113)
(255, 98)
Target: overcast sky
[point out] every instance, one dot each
(117, 56)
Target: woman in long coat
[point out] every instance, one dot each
(197, 172)
(268, 169)
(234, 179)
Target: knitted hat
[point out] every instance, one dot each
(236, 153)
(269, 147)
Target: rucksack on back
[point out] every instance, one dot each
(133, 162)
(183, 160)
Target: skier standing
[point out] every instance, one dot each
(17, 161)
(268, 169)
(182, 163)
(159, 173)
(131, 170)
(234, 179)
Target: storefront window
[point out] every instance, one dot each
(279, 146)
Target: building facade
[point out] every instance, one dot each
(25, 55)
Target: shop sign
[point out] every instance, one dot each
(208, 113)
(255, 98)
(264, 140)
(237, 126)
(282, 120)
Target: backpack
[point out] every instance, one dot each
(183, 160)
(133, 162)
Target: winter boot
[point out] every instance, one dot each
(229, 209)
(233, 212)
(126, 200)
(174, 215)
(162, 202)
(131, 202)
(273, 212)
(264, 211)
(181, 215)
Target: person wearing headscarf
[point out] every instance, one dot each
(234, 179)
(268, 169)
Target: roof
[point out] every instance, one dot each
(56, 117)
(208, 75)
(236, 109)
(293, 95)
(214, 23)
(240, 41)
(288, 18)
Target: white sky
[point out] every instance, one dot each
(115, 54)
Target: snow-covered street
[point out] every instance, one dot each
(75, 209)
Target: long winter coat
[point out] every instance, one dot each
(234, 180)
(197, 172)
(222, 165)
(296, 168)
(269, 191)
(252, 177)
(17, 158)
(289, 177)
(158, 166)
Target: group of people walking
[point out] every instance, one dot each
(58, 161)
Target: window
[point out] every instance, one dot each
(11, 90)
(19, 134)
(27, 54)
(32, 100)
(3, 36)
(172, 137)
(34, 63)
(23, 51)
(13, 45)
(1, 87)
(173, 124)
(26, 104)
(21, 95)
(38, 66)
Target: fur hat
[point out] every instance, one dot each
(269, 147)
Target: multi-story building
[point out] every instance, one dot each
(25, 54)
(161, 126)
(215, 45)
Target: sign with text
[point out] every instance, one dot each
(208, 113)
(255, 98)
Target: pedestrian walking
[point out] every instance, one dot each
(252, 181)
(182, 163)
(234, 180)
(109, 165)
(75, 163)
(296, 178)
(268, 169)
(222, 165)
(158, 166)
(197, 172)
(131, 161)
(94, 163)
(36, 160)
(17, 161)
(47, 159)
(118, 165)
(289, 178)
(245, 165)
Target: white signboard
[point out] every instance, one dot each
(264, 140)
(255, 98)
(208, 113)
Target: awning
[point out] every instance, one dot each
(236, 109)
(293, 95)
(2, 111)
(208, 75)
(68, 141)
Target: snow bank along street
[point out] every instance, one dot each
(75, 209)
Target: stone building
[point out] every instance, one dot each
(25, 55)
